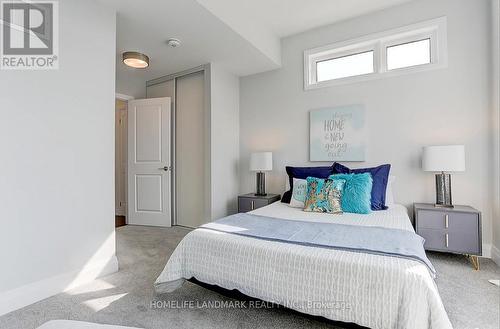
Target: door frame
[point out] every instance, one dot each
(124, 98)
(207, 147)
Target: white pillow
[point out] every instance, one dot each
(389, 196)
(298, 193)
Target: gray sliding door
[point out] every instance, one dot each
(190, 150)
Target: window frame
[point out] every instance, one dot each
(434, 29)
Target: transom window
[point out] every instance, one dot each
(409, 49)
(409, 54)
(345, 66)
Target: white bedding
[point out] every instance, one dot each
(394, 217)
(371, 290)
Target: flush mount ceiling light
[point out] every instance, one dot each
(173, 42)
(135, 59)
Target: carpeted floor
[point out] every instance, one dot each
(124, 298)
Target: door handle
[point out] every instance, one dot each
(164, 168)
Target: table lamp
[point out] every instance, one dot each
(260, 162)
(443, 159)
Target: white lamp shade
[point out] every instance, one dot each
(261, 161)
(444, 158)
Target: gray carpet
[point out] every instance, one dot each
(124, 298)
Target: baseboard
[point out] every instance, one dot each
(20, 297)
(495, 255)
(486, 250)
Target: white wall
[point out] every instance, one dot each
(164, 89)
(224, 141)
(57, 168)
(495, 10)
(130, 83)
(403, 113)
(259, 35)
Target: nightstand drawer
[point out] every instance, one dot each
(249, 204)
(453, 221)
(434, 239)
(451, 241)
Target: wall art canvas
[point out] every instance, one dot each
(337, 134)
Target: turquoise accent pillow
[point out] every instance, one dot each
(356, 195)
(324, 195)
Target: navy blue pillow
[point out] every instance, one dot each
(380, 177)
(303, 173)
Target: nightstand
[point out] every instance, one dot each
(250, 201)
(456, 230)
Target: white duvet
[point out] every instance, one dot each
(371, 290)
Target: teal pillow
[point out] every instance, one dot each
(357, 192)
(324, 195)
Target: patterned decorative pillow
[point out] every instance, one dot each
(324, 195)
(298, 193)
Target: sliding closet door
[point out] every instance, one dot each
(190, 150)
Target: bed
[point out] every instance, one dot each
(374, 291)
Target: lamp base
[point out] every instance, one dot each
(261, 184)
(443, 190)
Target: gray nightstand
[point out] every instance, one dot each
(250, 201)
(456, 230)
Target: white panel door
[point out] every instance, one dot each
(149, 167)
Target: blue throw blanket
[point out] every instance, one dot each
(367, 239)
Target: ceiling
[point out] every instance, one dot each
(243, 36)
(146, 25)
(287, 17)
